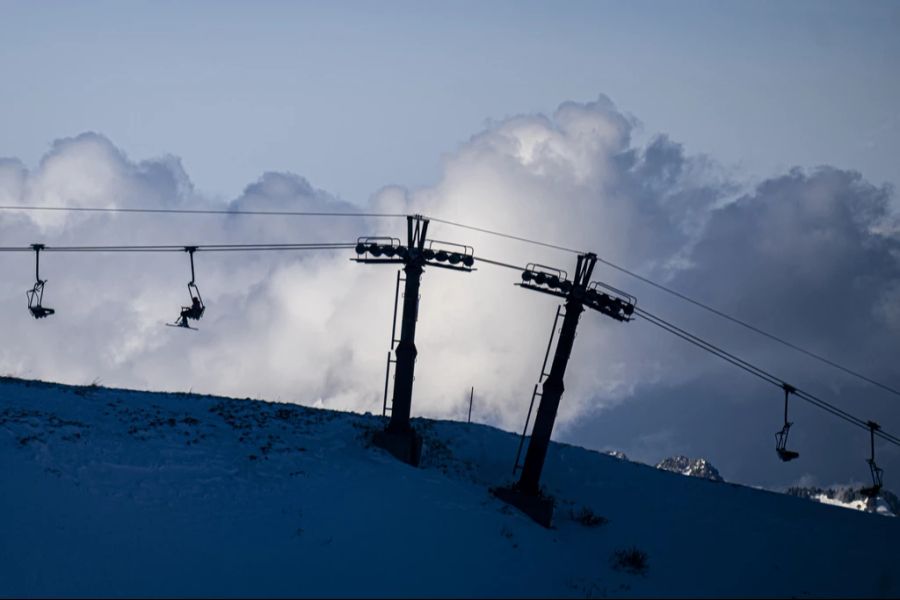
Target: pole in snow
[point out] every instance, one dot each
(578, 293)
(399, 438)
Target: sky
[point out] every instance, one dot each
(743, 153)
(236, 89)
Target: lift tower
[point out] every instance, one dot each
(399, 438)
(578, 293)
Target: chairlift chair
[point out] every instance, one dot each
(781, 437)
(780, 441)
(36, 294)
(196, 308)
(876, 471)
(877, 480)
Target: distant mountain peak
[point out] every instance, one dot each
(694, 467)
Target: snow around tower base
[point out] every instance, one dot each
(405, 446)
(539, 508)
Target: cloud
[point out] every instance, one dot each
(808, 254)
(811, 255)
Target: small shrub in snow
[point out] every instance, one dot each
(589, 518)
(631, 560)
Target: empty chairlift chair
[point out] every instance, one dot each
(781, 437)
(36, 294)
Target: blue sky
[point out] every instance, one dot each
(358, 95)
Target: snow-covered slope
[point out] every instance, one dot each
(119, 493)
(886, 503)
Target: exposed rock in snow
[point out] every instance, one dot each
(886, 503)
(696, 467)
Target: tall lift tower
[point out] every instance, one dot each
(398, 437)
(579, 292)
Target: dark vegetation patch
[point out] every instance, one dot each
(631, 560)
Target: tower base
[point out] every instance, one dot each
(404, 446)
(539, 508)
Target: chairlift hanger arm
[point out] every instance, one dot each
(873, 427)
(190, 250)
(788, 390)
(37, 260)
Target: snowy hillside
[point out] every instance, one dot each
(886, 503)
(120, 493)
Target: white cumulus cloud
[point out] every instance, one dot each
(812, 255)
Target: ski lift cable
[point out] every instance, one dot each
(764, 375)
(741, 363)
(815, 401)
(273, 248)
(344, 245)
(504, 235)
(498, 263)
(180, 248)
(803, 395)
(690, 300)
(602, 260)
(337, 245)
(710, 347)
(753, 369)
(199, 211)
(755, 329)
